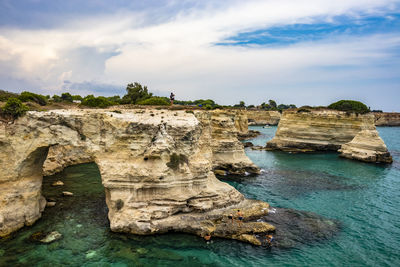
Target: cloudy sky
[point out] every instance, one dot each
(305, 52)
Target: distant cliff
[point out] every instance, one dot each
(387, 119)
(328, 130)
(263, 117)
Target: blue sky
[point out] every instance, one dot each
(309, 52)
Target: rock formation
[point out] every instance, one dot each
(328, 130)
(156, 168)
(318, 130)
(228, 152)
(387, 118)
(263, 117)
(366, 146)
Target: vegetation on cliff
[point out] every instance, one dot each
(13, 109)
(350, 106)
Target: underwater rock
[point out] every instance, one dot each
(51, 204)
(296, 228)
(57, 183)
(51, 237)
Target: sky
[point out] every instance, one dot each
(300, 52)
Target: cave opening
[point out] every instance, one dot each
(83, 211)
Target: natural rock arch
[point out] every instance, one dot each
(156, 168)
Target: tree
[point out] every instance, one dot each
(14, 108)
(56, 98)
(350, 106)
(272, 103)
(135, 93)
(67, 97)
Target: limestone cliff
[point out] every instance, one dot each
(263, 117)
(318, 130)
(156, 168)
(366, 146)
(387, 118)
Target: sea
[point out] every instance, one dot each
(328, 211)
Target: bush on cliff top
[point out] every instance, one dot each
(4, 95)
(350, 106)
(28, 96)
(96, 102)
(155, 100)
(14, 108)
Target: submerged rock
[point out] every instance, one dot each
(296, 228)
(51, 237)
(50, 204)
(57, 183)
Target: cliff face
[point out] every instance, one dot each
(156, 168)
(366, 146)
(263, 117)
(387, 119)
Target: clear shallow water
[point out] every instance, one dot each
(364, 198)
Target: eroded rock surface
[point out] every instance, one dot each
(60, 157)
(366, 146)
(156, 167)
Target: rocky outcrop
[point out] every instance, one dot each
(387, 118)
(366, 146)
(318, 130)
(156, 168)
(60, 157)
(263, 117)
(328, 130)
(228, 153)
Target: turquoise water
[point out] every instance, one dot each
(362, 198)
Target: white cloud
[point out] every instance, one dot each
(179, 53)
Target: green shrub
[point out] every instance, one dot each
(301, 110)
(156, 101)
(96, 102)
(67, 97)
(28, 96)
(4, 95)
(14, 108)
(350, 106)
